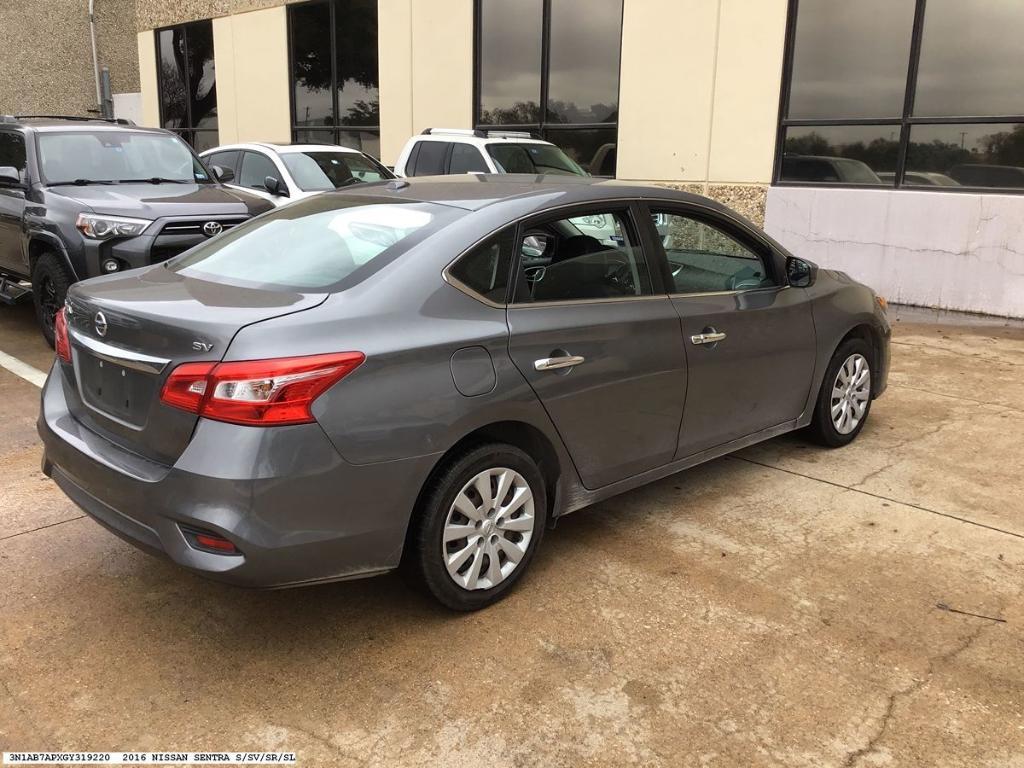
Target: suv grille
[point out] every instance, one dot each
(195, 226)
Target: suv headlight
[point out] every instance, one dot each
(101, 227)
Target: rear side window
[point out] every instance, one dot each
(256, 168)
(466, 159)
(485, 269)
(12, 151)
(429, 161)
(321, 244)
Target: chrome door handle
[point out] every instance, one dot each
(554, 363)
(707, 338)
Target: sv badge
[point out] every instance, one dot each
(201, 346)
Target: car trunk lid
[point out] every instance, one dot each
(128, 332)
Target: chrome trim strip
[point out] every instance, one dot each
(134, 360)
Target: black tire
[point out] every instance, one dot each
(822, 428)
(424, 563)
(50, 283)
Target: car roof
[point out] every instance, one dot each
(282, 149)
(64, 124)
(474, 191)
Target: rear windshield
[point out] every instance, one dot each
(316, 171)
(117, 157)
(321, 244)
(534, 158)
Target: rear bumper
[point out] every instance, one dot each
(297, 512)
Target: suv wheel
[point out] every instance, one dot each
(478, 526)
(844, 401)
(50, 283)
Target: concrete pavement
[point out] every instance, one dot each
(773, 608)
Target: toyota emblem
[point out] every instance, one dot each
(101, 324)
(212, 228)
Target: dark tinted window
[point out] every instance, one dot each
(187, 82)
(331, 243)
(466, 159)
(850, 58)
(972, 155)
(485, 269)
(704, 259)
(972, 59)
(12, 151)
(223, 159)
(334, 72)
(853, 154)
(592, 256)
(429, 161)
(511, 35)
(255, 168)
(578, 70)
(583, 79)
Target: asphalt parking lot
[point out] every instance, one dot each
(779, 607)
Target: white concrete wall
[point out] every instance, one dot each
(945, 250)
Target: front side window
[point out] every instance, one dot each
(904, 93)
(331, 244)
(187, 83)
(533, 158)
(334, 74)
(255, 169)
(592, 256)
(12, 151)
(116, 157)
(703, 258)
(317, 171)
(466, 159)
(551, 67)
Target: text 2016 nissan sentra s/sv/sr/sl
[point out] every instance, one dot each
(426, 373)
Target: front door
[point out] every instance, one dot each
(749, 337)
(12, 203)
(600, 349)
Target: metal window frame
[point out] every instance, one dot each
(906, 121)
(190, 129)
(335, 129)
(543, 129)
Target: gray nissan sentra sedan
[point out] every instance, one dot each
(429, 372)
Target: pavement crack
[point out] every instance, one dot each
(895, 697)
(880, 497)
(41, 527)
(1001, 406)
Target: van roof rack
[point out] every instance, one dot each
(80, 118)
(454, 132)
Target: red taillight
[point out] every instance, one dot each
(257, 392)
(212, 541)
(60, 336)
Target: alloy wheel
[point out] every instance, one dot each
(851, 392)
(488, 528)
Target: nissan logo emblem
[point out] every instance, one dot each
(212, 228)
(101, 324)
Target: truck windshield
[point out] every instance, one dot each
(79, 157)
(534, 158)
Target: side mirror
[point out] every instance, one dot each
(801, 273)
(222, 174)
(9, 175)
(275, 186)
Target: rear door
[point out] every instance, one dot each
(598, 341)
(749, 337)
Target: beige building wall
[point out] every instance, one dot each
(146, 44)
(251, 55)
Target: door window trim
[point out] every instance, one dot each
(764, 251)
